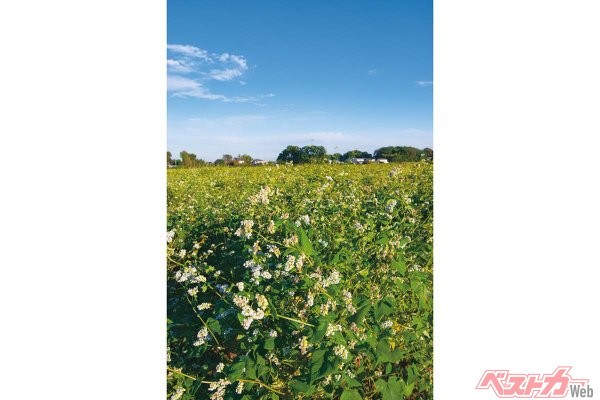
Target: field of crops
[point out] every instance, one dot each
(300, 282)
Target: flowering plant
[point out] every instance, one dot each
(304, 282)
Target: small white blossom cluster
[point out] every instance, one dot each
(245, 229)
(248, 312)
(257, 271)
(325, 307)
(202, 336)
(332, 279)
(220, 367)
(303, 345)
(274, 249)
(271, 227)
(291, 241)
(294, 262)
(178, 393)
(170, 236)
(240, 286)
(189, 274)
(341, 351)
(193, 291)
(273, 333)
(204, 306)
(359, 227)
(387, 324)
(218, 388)
(389, 208)
(240, 387)
(303, 219)
(348, 300)
(262, 196)
(331, 329)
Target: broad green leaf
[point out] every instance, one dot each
(350, 394)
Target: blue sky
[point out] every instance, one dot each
(255, 76)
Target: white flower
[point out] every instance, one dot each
(193, 291)
(390, 206)
(273, 333)
(202, 336)
(262, 301)
(387, 324)
(266, 274)
(240, 388)
(204, 306)
(220, 367)
(271, 227)
(331, 329)
(182, 253)
(341, 351)
(178, 393)
(245, 229)
(247, 322)
(170, 236)
(240, 286)
(240, 301)
(262, 196)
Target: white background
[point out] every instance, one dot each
(83, 128)
(517, 202)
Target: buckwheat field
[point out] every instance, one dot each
(300, 282)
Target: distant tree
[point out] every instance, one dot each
(403, 153)
(355, 154)
(189, 160)
(335, 157)
(219, 161)
(301, 155)
(228, 159)
(290, 154)
(169, 159)
(314, 154)
(247, 159)
(428, 153)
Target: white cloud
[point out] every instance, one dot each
(225, 74)
(190, 51)
(424, 83)
(179, 66)
(185, 87)
(372, 72)
(201, 67)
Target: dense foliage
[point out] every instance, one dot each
(300, 282)
(403, 153)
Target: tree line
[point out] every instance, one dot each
(309, 155)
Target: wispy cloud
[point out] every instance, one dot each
(424, 83)
(201, 67)
(372, 72)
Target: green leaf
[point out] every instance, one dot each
(301, 387)
(250, 369)
(236, 370)
(383, 239)
(385, 353)
(390, 390)
(385, 307)
(350, 394)
(351, 382)
(214, 325)
(316, 364)
(269, 344)
(305, 243)
(400, 265)
(321, 330)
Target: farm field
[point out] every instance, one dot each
(300, 282)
